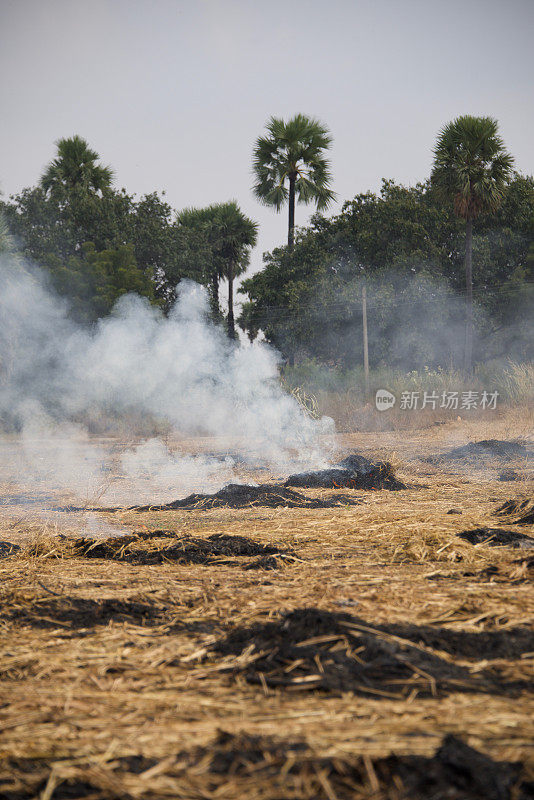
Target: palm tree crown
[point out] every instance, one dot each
(289, 163)
(471, 166)
(75, 166)
(237, 235)
(230, 235)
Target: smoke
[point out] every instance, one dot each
(180, 372)
(416, 320)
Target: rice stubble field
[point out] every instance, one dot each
(364, 650)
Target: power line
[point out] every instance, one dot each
(335, 309)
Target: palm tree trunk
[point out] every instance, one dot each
(215, 308)
(231, 323)
(291, 230)
(468, 357)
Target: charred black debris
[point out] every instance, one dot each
(485, 449)
(497, 537)
(522, 509)
(241, 764)
(353, 472)
(310, 649)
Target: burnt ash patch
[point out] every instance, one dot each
(523, 508)
(509, 643)
(69, 789)
(25, 499)
(455, 772)
(509, 475)
(237, 495)
(242, 765)
(354, 472)
(185, 550)
(24, 778)
(483, 450)
(79, 612)
(497, 537)
(314, 649)
(8, 549)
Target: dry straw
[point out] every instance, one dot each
(111, 678)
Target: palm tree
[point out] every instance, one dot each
(75, 166)
(237, 236)
(230, 236)
(289, 163)
(201, 222)
(471, 168)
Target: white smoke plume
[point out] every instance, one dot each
(179, 370)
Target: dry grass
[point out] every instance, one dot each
(108, 683)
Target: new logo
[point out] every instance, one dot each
(384, 400)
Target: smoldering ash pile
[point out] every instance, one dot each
(179, 371)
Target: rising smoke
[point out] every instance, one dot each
(179, 371)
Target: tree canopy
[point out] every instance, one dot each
(407, 247)
(72, 230)
(290, 165)
(471, 169)
(471, 166)
(75, 167)
(405, 244)
(229, 236)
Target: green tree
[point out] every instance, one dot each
(410, 248)
(7, 243)
(202, 224)
(237, 235)
(86, 243)
(75, 167)
(471, 168)
(94, 280)
(52, 233)
(229, 236)
(166, 251)
(289, 163)
(46, 226)
(75, 205)
(35, 221)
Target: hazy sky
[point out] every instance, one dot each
(173, 93)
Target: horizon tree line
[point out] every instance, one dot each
(471, 172)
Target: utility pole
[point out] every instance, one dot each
(365, 341)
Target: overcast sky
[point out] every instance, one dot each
(173, 93)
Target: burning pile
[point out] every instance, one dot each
(237, 495)
(353, 472)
